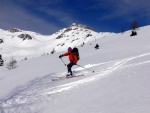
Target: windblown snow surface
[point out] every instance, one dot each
(120, 82)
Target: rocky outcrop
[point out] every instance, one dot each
(13, 30)
(25, 37)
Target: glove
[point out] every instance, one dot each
(60, 56)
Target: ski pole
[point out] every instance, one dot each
(85, 68)
(63, 61)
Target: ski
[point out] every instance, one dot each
(65, 77)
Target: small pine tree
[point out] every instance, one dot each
(97, 46)
(82, 44)
(25, 58)
(1, 61)
(1, 41)
(53, 51)
(134, 25)
(122, 29)
(11, 64)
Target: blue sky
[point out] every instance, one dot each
(49, 16)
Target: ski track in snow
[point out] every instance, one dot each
(30, 96)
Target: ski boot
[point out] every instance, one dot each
(69, 75)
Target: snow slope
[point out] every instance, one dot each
(120, 83)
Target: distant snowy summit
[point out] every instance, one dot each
(81, 26)
(73, 30)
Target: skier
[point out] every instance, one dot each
(73, 57)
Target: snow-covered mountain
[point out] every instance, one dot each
(119, 84)
(22, 43)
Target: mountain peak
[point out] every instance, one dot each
(81, 25)
(74, 30)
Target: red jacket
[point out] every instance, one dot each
(72, 56)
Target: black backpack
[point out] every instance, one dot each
(75, 50)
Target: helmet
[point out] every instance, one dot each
(69, 49)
